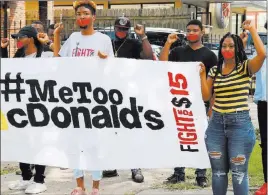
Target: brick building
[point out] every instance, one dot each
(16, 14)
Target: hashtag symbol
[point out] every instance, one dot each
(7, 91)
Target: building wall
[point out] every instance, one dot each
(50, 11)
(32, 10)
(16, 18)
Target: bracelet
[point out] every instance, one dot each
(144, 38)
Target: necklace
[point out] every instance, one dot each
(116, 51)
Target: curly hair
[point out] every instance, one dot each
(88, 4)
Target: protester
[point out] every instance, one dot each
(33, 48)
(47, 46)
(125, 47)
(88, 43)
(230, 136)
(260, 98)
(194, 51)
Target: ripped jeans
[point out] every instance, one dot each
(230, 139)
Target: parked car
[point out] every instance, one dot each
(212, 46)
(156, 36)
(156, 49)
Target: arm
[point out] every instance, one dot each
(147, 51)
(4, 45)
(165, 51)
(206, 83)
(211, 103)
(56, 44)
(255, 64)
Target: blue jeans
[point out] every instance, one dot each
(230, 139)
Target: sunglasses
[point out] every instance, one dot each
(121, 29)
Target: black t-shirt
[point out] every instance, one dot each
(187, 54)
(129, 48)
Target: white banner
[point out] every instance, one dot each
(98, 114)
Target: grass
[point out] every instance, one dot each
(8, 170)
(255, 174)
(255, 167)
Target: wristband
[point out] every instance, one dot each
(144, 38)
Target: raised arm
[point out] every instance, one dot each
(4, 45)
(165, 51)
(147, 51)
(255, 64)
(57, 38)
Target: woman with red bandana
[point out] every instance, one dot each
(193, 52)
(85, 43)
(230, 136)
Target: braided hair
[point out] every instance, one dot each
(240, 54)
(39, 46)
(20, 53)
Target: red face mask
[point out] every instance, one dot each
(228, 54)
(121, 34)
(192, 37)
(83, 22)
(19, 45)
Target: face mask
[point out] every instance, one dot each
(228, 54)
(192, 38)
(19, 45)
(121, 34)
(83, 22)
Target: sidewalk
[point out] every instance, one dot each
(61, 182)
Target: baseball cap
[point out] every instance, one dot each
(122, 22)
(28, 31)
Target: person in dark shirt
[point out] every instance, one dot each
(125, 47)
(193, 52)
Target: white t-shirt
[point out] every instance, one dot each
(87, 45)
(46, 54)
